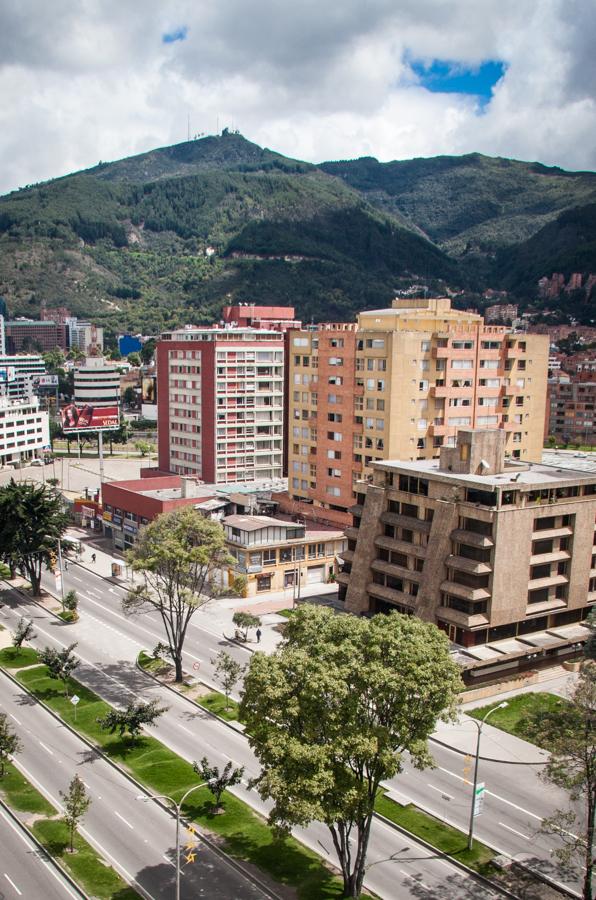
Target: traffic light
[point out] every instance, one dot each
(467, 768)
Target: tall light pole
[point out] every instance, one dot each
(178, 809)
(479, 727)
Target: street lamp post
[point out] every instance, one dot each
(178, 808)
(479, 727)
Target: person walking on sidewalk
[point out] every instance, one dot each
(258, 635)
(93, 557)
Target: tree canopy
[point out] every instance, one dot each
(32, 521)
(180, 555)
(331, 713)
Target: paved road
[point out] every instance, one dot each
(516, 798)
(396, 864)
(136, 837)
(25, 871)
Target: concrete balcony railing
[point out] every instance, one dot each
(550, 581)
(555, 556)
(472, 538)
(342, 577)
(464, 591)
(563, 531)
(389, 543)
(389, 518)
(387, 568)
(464, 564)
(393, 596)
(460, 618)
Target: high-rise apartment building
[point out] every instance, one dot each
(24, 429)
(571, 410)
(220, 403)
(18, 374)
(97, 383)
(501, 556)
(398, 385)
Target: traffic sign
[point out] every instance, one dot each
(479, 799)
(74, 699)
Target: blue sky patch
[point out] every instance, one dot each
(447, 77)
(179, 34)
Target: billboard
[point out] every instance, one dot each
(149, 389)
(45, 381)
(89, 418)
(8, 373)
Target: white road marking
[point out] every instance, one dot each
(15, 718)
(440, 791)
(491, 794)
(46, 862)
(76, 578)
(184, 728)
(519, 834)
(11, 882)
(46, 748)
(116, 813)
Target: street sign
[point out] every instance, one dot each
(479, 799)
(74, 699)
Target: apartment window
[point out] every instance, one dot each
(462, 364)
(300, 342)
(264, 583)
(423, 385)
(334, 436)
(375, 343)
(333, 454)
(336, 361)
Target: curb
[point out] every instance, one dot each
(459, 865)
(42, 850)
(233, 863)
(188, 699)
(503, 762)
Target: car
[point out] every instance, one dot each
(580, 455)
(36, 462)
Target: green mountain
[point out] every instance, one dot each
(169, 236)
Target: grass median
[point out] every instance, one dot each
(450, 840)
(87, 868)
(247, 836)
(515, 718)
(213, 701)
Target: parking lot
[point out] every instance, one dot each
(74, 475)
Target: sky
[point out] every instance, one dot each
(395, 79)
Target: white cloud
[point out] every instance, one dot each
(317, 81)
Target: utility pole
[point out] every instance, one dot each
(473, 812)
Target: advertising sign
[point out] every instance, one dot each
(89, 418)
(7, 373)
(149, 389)
(479, 799)
(45, 381)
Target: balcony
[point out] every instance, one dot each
(471, 538)
(342, 577)
(352, 533)
(385, 593)
(465, 592)
(389, 518)
(388, 543)
(387, 568)
(347, 555)
(460, 618)
(563, 531)
(463, 564)
(555, 556)
(550, 581)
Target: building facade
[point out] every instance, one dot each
(571, 410)
(490, 552)
(17, 374)
(399, 385)
(97, 383)
(274, 555)
(220, 403)
(24, 429)
(23, 335)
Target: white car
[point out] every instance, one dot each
(36, 462)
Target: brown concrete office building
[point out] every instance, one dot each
(500, 555)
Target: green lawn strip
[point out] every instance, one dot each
(443, 837)
(152, 664)
(247, 836)
(20, 795)
(11, 658)
(515, 717)
(4, 571)
(216, 703)
(286, 613)
(85, 865)
(68, 615)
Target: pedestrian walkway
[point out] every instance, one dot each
(496, 745)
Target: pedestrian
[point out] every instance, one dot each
(258, 635)
(66, 565)
(93, 557)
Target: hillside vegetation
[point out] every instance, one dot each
(169, 236)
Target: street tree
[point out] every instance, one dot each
(23, 632)
(332, 712)
(9, 743)
(569, 732)
(32, 521)
(134, 359)
(131, 719)
(590, 645)
(244, 621)
(147, 351)
(76, 803)
(71, 602)
(227, 671)
(219, 780)
(180, 555)
(59, 663)
(144, 447)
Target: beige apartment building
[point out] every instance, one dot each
(499, 554)
(398, 385)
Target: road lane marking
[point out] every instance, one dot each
(11, 882)
(75, 578)
(519, 833)
(440, 791)
(116, 813)
(50, 866)
(496, 796)
(46, 748)
(183, 727)
(15, 718)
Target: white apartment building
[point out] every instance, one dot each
(96, 383)
(17, 373)
(24, 429)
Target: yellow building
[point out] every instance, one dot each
(398, 385)
(275, 555)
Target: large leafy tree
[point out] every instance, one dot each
(179, 555)
(331, 713)
(32, 521)
(570, 734)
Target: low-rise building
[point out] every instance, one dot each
(275, 554)
(24, 429)
(501, 556)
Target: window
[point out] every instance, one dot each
(462, 345)
(300, 342)
(336, 361)
(264, 583)
(269, 557)
(462, 364)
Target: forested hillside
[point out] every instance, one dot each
(169, 236)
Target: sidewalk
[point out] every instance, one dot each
(217, 615)
(496, 745)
